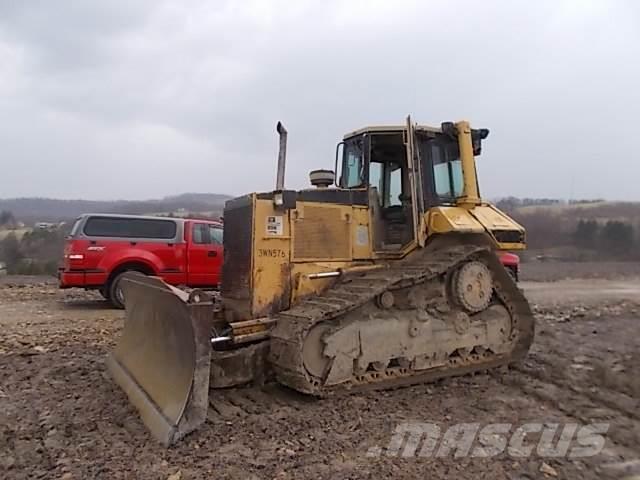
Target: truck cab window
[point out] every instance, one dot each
(200, 233)
(215, 234)
(127, 227)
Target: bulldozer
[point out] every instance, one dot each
(384, 274)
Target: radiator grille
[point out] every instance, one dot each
(323, 233)
(509, 236)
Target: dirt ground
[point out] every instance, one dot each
(551, 271)
(62, 417)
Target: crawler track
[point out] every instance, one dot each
(355, 296)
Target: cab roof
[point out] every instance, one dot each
(390, 129)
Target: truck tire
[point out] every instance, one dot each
(116, 296)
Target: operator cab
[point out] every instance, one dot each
(380, 160)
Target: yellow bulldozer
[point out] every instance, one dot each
(383, 274)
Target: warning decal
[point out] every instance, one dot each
(274, 225)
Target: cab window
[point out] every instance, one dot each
(352, 164)
(447, 171)
(129, 227)
(376, 178)
(200, 233)
(393, 198)
(215, 234)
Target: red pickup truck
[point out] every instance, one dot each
(511, 262)
(101, 247)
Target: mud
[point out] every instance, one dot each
(62, 417)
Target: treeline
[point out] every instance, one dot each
(7, 219)
(511, 203)
(31, 210)
(589, 239)
(614, 237)
(35, 253)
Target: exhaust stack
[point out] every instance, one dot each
(282, 156)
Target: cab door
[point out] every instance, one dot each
(215, 242)
(204, 260)
(414, 171)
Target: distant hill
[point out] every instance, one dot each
(30, 210)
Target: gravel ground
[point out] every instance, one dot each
(552, 270)
(62, 417)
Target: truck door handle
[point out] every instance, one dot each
(212, 253)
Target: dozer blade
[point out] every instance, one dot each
(162, 360)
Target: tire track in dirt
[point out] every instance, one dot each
(565, 372)
(272, 432)
(264, 401)
(622, 435)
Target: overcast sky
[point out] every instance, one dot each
(140, 99)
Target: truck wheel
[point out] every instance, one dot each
(116, 296)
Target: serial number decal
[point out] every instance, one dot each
(271, 252)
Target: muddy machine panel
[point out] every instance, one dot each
(271, 250)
